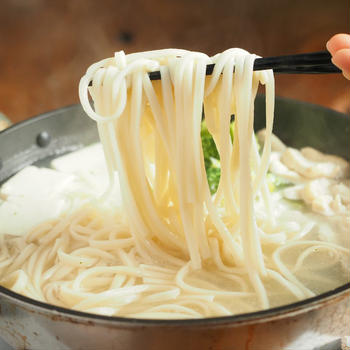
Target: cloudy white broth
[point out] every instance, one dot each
(170, 216)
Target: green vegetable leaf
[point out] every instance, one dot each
(213, 176)
(276, 182)
(211, 158)
(296, 204)
(208, 144)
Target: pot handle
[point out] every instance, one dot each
(4, 122)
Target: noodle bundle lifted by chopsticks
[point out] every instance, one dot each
(171, 213)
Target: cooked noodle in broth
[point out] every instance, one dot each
(170, 248)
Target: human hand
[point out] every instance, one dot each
(339, 47)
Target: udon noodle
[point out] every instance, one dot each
(173, 250)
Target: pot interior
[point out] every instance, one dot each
(38, 140)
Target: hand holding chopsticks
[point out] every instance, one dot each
(339, 47)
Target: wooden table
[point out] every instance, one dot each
(45, 46)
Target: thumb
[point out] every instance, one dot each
(342, 60)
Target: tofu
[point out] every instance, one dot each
(36, 182)
(90, 158)
(32, 196)
(19, 216)
(88, 164)
(35, 195)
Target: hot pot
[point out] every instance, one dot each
(29, 324)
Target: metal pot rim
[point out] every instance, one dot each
(283, 311)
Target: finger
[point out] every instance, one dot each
(342, 60)
(338, 42)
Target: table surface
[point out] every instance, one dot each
(334, 345)
(47, 45)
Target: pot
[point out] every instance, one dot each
(29, 324)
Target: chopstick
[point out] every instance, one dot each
(305, 63)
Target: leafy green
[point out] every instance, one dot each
(213, 176)
(296, 204)
(211, 158)
(209, 147)
(276, 182)
(213, 169)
